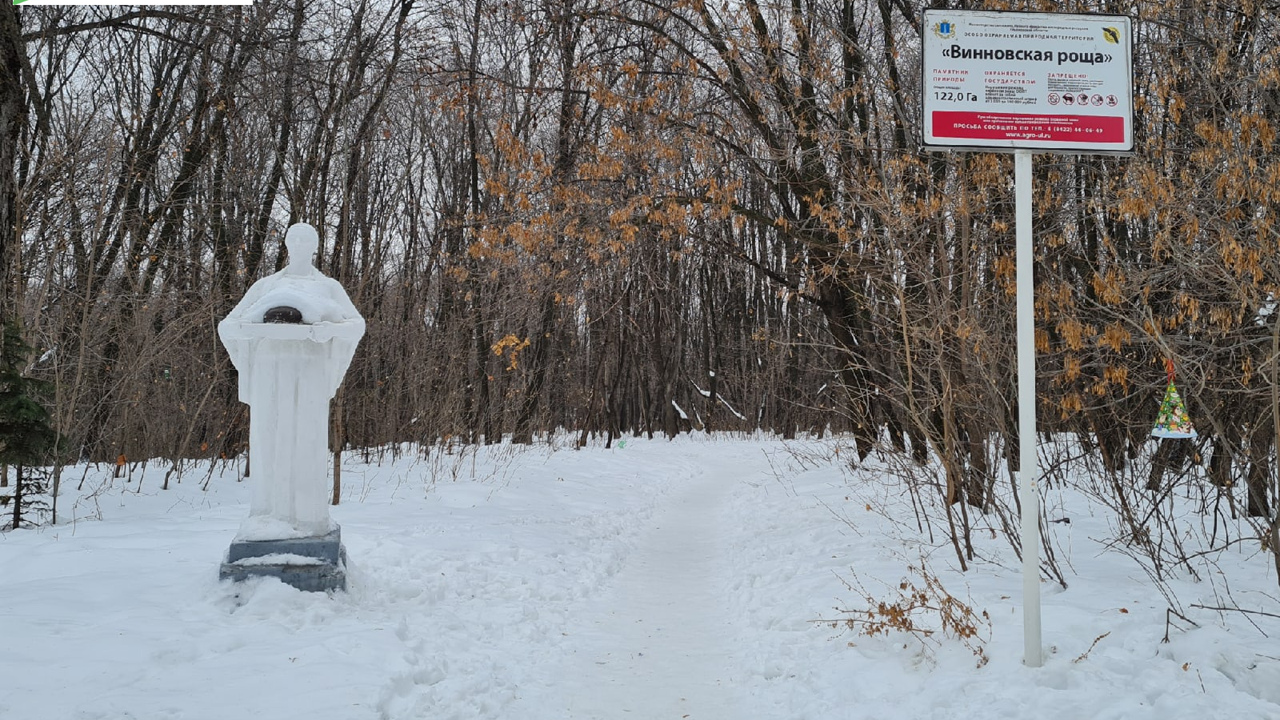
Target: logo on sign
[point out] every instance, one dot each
(1111, 35)
(944, 29)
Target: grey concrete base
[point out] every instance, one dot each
(324, 567)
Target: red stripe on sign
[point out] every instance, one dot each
(1008, 126)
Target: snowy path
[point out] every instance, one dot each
(656, 644)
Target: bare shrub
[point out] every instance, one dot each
(920, 607)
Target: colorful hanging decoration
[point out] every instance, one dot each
(1173, 421)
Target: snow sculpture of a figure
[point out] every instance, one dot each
(291, 338)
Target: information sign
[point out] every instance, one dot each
(1040, 81)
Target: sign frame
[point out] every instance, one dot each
(1012, 39)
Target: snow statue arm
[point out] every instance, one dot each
(239, 342)
(343, 335)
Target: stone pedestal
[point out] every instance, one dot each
(313, 564)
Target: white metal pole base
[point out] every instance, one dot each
(1029, 485)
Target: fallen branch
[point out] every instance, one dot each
(1168, 622)
(1234, 609)
(1091, 647)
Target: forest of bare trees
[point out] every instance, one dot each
(636, 216)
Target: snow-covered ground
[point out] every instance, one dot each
(653, 580)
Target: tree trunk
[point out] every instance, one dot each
(13, 112)
(1260, 444)
(339, 439)
(1220, 463)
(17, 499)
(537, 363)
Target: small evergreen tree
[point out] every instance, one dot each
(26, 438)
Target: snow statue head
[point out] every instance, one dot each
(301, 241)
(291, 338)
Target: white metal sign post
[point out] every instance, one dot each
(1029, 485)
(1025, 83)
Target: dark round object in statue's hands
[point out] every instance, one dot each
(283, 314)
